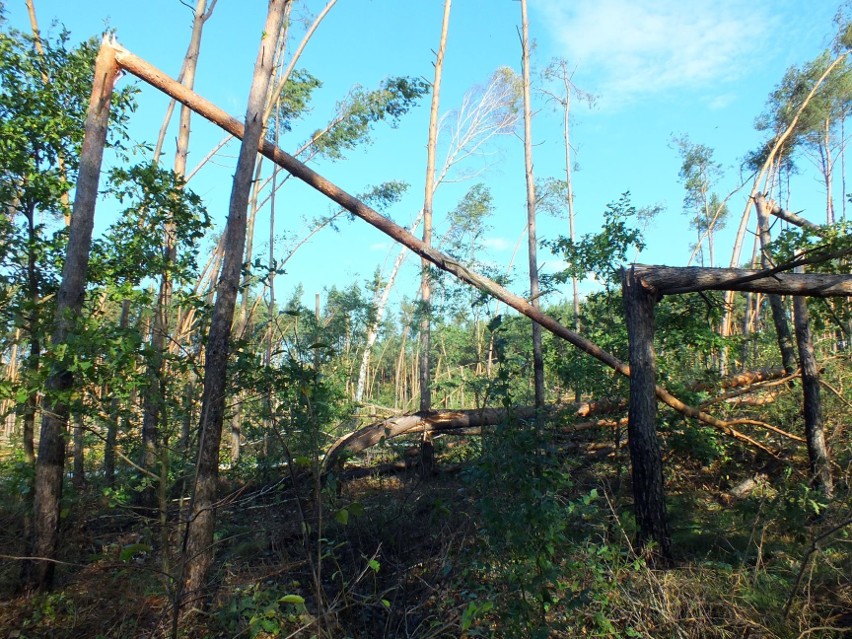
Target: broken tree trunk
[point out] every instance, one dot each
(147, 72)
(673, 280)
(649, 504)
(199, 547)
(50, 464)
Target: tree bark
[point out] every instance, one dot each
(672, 280)
(532, 241)
(777, 145)
(820, 465)
(647, 465)
(155, 393)
(779, 315)
(112, 425)
(427, 451)
(79, 453)
(199, 541)
(35, 330)
(51, 452)
(138, 67)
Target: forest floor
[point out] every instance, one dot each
(393, 555)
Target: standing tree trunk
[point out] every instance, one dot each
(79, 477)
(199, 538)
(155, 393)
(817, 452)
(50, 464)
(35, 331)
(114, 417)
(538, 358)
(779, 315)
(427, 451)
(649, 502)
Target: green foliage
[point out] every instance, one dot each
(602, 254)
(362, 109)
(160, 209)
(261, 610)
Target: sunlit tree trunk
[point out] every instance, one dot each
(426, 449)
(114, 418)
(199, 550)
(50, 464)
(154, 401)
(538, 358)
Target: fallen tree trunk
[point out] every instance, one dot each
(741, 379)
(150, 74)
(669, 280)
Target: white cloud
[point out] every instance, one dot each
(379, 246)
(635, 48)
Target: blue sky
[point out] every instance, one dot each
(659, 68)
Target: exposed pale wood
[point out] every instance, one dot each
(670, 280)
(50, 464)
(138, 67)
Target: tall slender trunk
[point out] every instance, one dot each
(779, 315)
(427, 452)
(35, 329)
(820, 465)
(828, 171)
(50, 464)
(532, 241)
(154, 402)
(199, 537)
(112, 425)
(79, 453)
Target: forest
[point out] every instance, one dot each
(191, 447)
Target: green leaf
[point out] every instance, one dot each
(374, 565)
(294, 600)
(342, 516)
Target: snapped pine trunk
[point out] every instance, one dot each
(50, 464)
(649, 503)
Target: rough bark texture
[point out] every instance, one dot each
(648, 496)
(51, 451)
(138, 67)
(817, 452)
(779, 315)
(199, 545)
(532, 241)
(671, 280)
